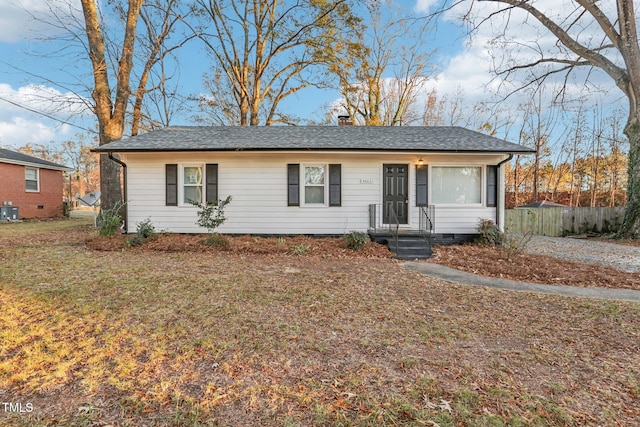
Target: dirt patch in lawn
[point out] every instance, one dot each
(494, 262)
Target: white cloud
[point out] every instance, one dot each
(424, 6)
(18, 131)
(24, 111)
(41, 99)
(25, 19)
(472, 69)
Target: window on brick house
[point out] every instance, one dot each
(32, 179)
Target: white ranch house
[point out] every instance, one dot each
(316, 180)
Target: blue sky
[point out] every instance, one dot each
(30, 79)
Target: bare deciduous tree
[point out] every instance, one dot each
(160, 19)
(380, 75)
(110, 110)
(264, 51)
(589, 34)
(119, 56)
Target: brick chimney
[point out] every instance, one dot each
(344, 121)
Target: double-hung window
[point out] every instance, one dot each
(314, 184)
(192, 184)
(32, 179)
(456, 185)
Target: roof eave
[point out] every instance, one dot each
(36, 165)
(372, 150)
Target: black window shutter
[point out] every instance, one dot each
(212, 182)
(171, 184)
(293, 184)
(422, 185)
(492, 186)
(335, 185)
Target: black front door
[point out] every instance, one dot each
(395, 194)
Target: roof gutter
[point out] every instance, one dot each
(124, 195)
(508, 159)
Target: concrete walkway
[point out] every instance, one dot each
(453, 275)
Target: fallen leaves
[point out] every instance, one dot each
(492, 262)
(204, 336)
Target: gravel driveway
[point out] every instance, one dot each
(620, 257)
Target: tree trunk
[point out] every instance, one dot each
(631, 224)
(110, 114)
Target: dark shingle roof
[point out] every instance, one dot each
(8, 156)
(368, 138)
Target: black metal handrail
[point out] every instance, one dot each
(394, 221)
(427, 221)
(373, 220)
(376, 219)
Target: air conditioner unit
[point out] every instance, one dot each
(9, 213)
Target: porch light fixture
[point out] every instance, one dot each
(421, 162)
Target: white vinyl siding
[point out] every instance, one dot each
(258, 183)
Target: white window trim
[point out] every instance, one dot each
(37, 179)
(303, 185)
(181, 183)
(458, 205)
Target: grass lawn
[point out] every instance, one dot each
(134, 337)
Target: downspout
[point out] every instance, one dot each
(508, 159)
(124, 191)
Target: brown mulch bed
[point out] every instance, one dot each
(483, 260)
(493, 262)
(295, 245)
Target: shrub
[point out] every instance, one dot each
(490, 234)
(109, 220)
(516, 244)
(301, 249)
(355, 240)
(512, 244)
(135, 240)
(217, 240)
(211, 215)
(144, 231)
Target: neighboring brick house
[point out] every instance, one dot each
(33, 185)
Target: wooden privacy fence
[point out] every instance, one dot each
(563, 221)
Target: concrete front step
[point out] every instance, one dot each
(410, 248)
(411, 244)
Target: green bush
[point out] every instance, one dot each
(109, 220)
(356, 240)
(135, 240)
(211, 215)
(490, 234)
(144, 231)
(301, 249)
(217, 240)
(512, 244)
